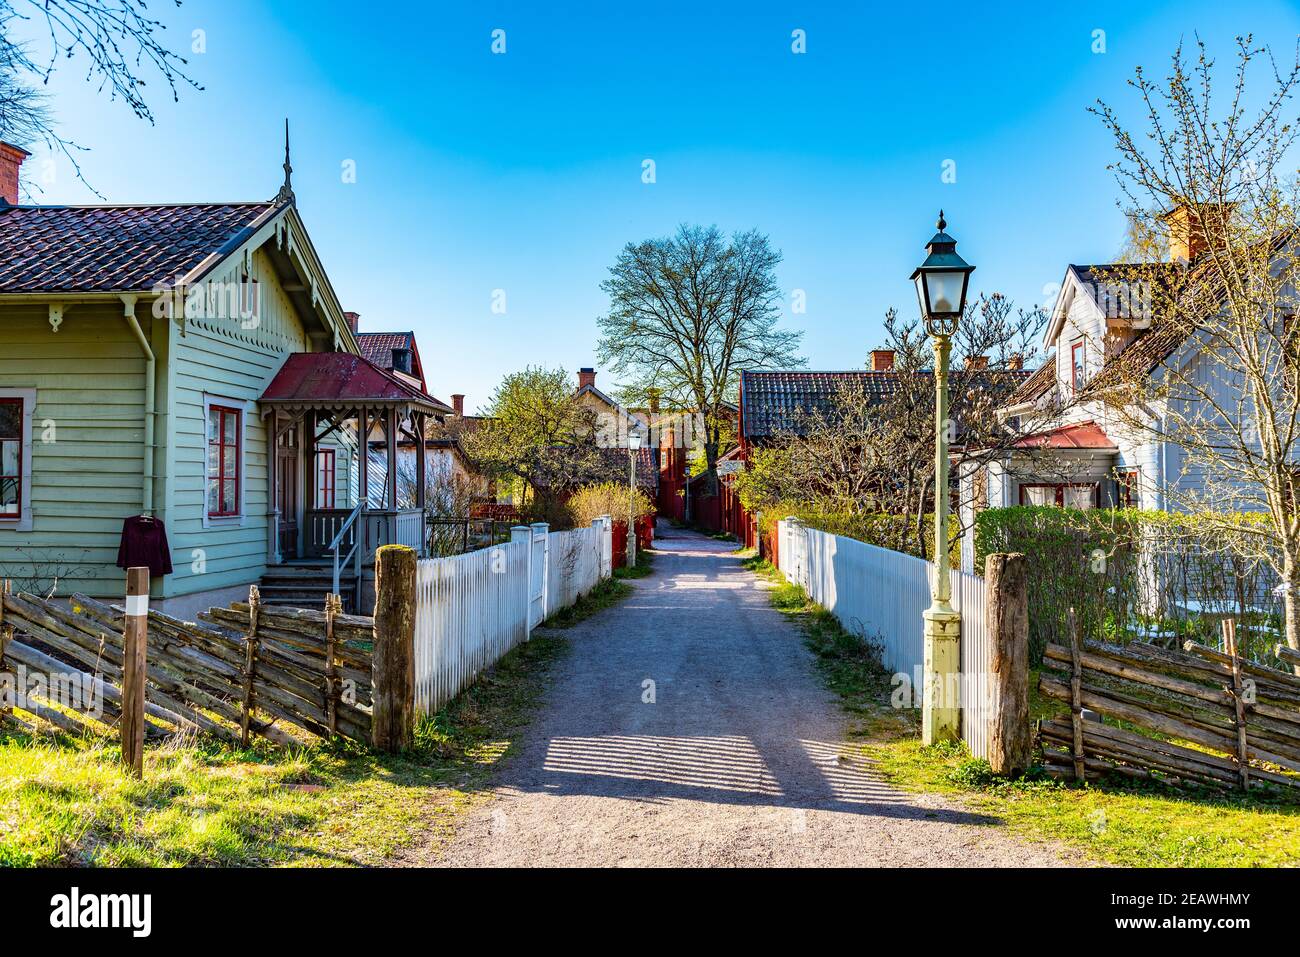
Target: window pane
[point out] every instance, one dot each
(1078, 497)
(228, 496)
(9, 457)
(228, 463)
(11, 420)
(214, 460)
(214, 424)
(232, 424)
(1040, 495)
(9, 504)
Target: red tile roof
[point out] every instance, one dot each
(1081, 435)
(115, 248)
(339, 379)
(378, 346)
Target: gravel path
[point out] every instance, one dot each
(736, 761)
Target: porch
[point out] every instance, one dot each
(321, 407)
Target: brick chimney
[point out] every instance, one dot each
(353, 321)
(1016, 361)
(586, 377)
(458, 403)
(977, 362)
(882, 360)
(1187, 234)
(11, 159)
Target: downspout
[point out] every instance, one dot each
(146, 504)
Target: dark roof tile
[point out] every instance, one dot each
(115, 248)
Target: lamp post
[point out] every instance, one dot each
(633, 444)
(941, 283)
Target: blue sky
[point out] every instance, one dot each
(521, 172)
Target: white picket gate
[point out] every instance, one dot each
(538, 568)
(880, 595)
(471, 609)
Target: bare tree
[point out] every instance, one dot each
(1219, 375)
(116, 41)
(687, 313)
(871, 450)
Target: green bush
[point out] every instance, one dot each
(896, 532)
(1139, 575)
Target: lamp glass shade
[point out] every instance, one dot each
(634, 440)
(945, 288)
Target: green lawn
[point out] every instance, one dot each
(67, 802)
(1113, 822)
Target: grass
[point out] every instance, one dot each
(645, 561)
(1114, 822)
(66, 801)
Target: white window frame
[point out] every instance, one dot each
(245, 408)
(28, 399)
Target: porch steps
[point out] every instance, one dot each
(304, 584)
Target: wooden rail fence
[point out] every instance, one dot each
(1242, 719)
(253, 670)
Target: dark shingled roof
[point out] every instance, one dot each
(1037, 385)
(115, 248)
(771, 401)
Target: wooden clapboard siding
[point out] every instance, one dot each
(89, 382)
(220, 357)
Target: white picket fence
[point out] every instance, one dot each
(879, 595)
(471, 609)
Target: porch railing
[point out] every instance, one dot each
(346, 537)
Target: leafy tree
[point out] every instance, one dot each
(687, 313)
(539, 436)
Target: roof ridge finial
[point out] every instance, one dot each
(286, 191)
(942, 224)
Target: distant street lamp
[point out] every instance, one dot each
(633, 444)
(941, 283)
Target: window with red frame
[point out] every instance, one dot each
(224, 429)
(325, 478)
(1082, 495)
(11, 459)
(1078, 367)
(1128, 488)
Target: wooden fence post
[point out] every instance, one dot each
(1007, 623)
(6, 635)
(333, 608)
(1238, 701)
(1076, 695)
(250, 662)
(134, 643)
(393, 714)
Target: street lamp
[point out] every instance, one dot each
(633, 444)
(941, 283)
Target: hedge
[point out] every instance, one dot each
(1140, 575)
